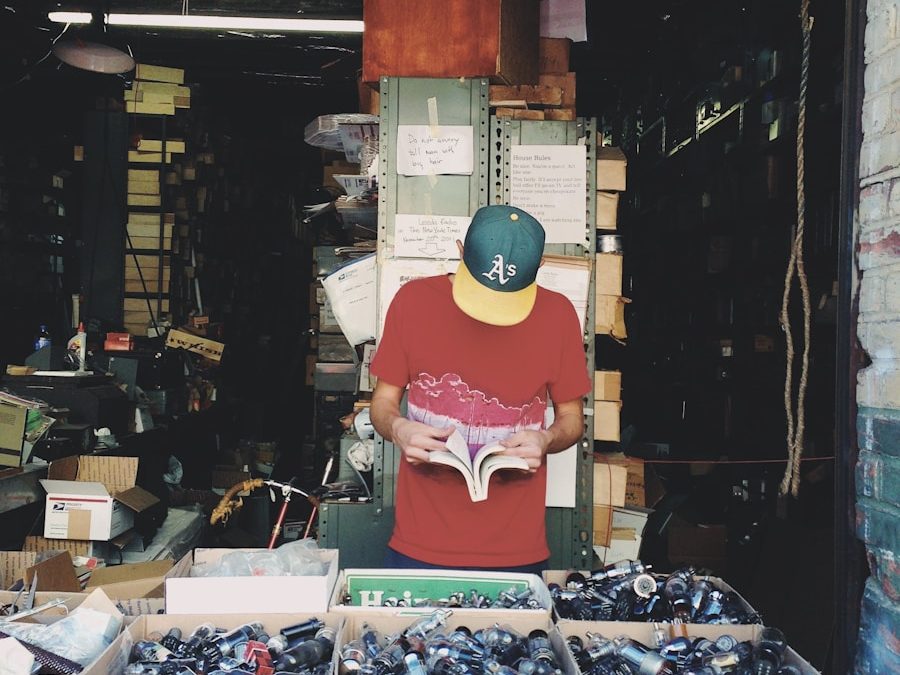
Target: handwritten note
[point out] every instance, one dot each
(549, 181)
(423, 150)
(419, 236)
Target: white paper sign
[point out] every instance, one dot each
(562, 474)
(423, 150)
(395, 273)
(549, 182)
(351, 294)
(562, 470)
(572, 282)
(418, 236)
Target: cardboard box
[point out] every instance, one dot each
(553, 55)
(261, 594)
(144, 71)
(608, 274)
(70, 601)
(609, 316)
(92, 497)
(607, 210)
(369, 98)
(611, 166)
(110, 630)
(566, 84)
(606, 420)
(367, 589)
(609, 484)
(55, 572)
(96, 601)
(185, 339)
(704, 546)
(608, 385)
(517, 620)
(643, 633)
(116, 657)
(136, 588)
(635, 482)
(455, 38)
(622, 541)
(12, 433)
(559, 577)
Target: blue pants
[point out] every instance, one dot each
(396, 560)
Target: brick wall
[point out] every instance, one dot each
(878, 387)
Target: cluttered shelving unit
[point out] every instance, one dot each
(155, 94)
(459, 104)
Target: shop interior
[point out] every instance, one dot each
(235, 370)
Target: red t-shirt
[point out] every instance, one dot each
(488, 382)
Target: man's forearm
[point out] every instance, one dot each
(384, 412)
(567, 427)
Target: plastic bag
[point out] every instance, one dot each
(296, 558)
(81, 636)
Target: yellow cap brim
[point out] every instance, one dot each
(489, 306)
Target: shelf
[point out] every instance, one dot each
(736, 108)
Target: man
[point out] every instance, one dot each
(482, 351)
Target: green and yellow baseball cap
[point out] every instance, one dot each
(495, 281)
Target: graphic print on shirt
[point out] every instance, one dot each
(480, 419)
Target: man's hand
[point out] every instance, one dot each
(530, 445)
(416, 440)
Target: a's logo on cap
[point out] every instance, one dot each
(503, 272)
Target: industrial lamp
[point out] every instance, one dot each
(92, 50)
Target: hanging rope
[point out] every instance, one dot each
(796, 422)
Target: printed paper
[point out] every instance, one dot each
(351, 296)
(395, 273)
(549, 182)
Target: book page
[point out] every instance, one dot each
(457, 445)
(494, 463)
(491, 451)
(452, 460)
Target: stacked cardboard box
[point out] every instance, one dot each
(610, 312)
(155, 91)
(552, 98)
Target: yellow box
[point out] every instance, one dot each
(143, 200)
(607, 385)
(607, 210)
(145, 71)
(608, 274)
(611, 165)
(606, 420)
(609, 317)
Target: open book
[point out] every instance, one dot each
(476, 471)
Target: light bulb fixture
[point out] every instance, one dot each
(211, 22)
(91, 49)
(94, 57)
